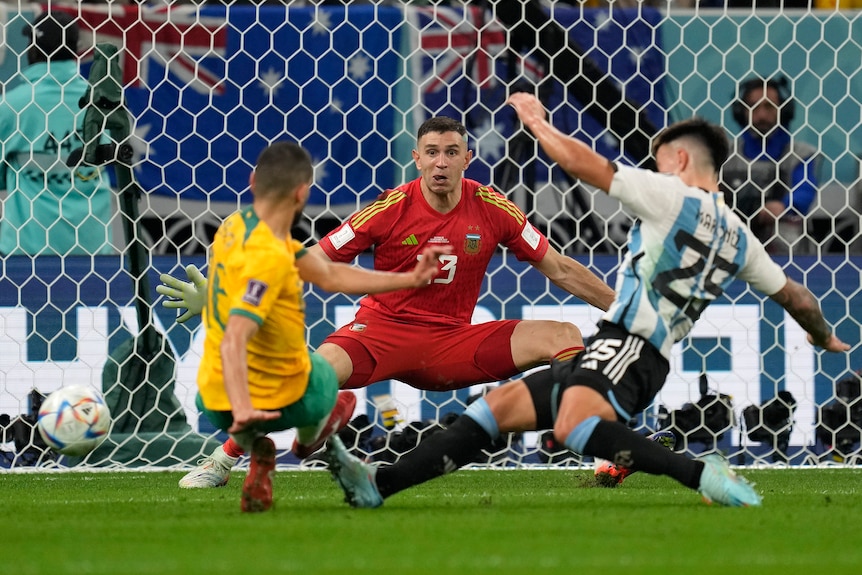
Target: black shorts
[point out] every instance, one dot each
(625, 368)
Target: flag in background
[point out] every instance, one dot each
(211, 86)
(466, 52)
(188, 48)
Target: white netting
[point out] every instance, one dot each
(208, 86)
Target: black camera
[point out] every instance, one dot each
(388, 448)
(30, 448)
(840, 422)
(772, 423)
(705, 421)
(552, 452)
(775, 417)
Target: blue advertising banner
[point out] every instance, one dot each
(61, 318)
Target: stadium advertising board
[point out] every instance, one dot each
(61, 319)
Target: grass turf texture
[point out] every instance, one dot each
(525, 521)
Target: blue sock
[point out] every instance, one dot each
(480, 412)
(577, 439)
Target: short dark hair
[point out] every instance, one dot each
(712, 137)
(53, 37)
(440, 125)
(281, 168)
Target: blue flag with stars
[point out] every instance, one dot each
(465, 69)
(212, 86)
(313, 76)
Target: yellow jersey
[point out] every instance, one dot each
(254, 274)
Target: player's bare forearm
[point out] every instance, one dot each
(235, 369)
(570, 275)
(592, 289)
(574, 156)
(585, 285)
(801, 304)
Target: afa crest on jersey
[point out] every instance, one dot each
(472, 243)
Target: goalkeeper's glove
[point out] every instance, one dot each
(190, 295)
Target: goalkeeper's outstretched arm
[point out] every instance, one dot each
(315, 267)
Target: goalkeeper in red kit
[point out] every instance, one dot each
(424, 338)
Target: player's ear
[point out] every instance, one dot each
(683, 159)
(251, 181)
(416, 157)
(468, 157)
(302, 192)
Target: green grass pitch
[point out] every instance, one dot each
(522, 521)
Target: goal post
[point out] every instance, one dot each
(208, 86)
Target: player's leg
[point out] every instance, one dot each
(305, 415)
(257, 487)
(537, 342)
(311, 438)
(508, 408)
(587, 424)
(214, 469)
(612, 440)
(609, 474)
(593, 406)
(443, 358)
(458, 445)
(618, 376)
(337, 357)
(498, 350)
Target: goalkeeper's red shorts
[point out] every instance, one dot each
(436, 358)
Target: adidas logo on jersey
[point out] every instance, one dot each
(410, 241)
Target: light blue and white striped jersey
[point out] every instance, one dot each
(684, 249)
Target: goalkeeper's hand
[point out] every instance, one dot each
(190, 295)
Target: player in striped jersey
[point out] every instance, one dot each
(425, 338)
(685, 248)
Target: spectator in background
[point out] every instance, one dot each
(770, 178)
(50, 208)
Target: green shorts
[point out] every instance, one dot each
(315, 404)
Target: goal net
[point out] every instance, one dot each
(208, 86)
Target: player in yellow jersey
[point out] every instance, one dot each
(257, 374)
(425, 338)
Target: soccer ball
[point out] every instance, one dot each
(74, 420)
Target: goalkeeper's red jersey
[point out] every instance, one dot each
(400, 224)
